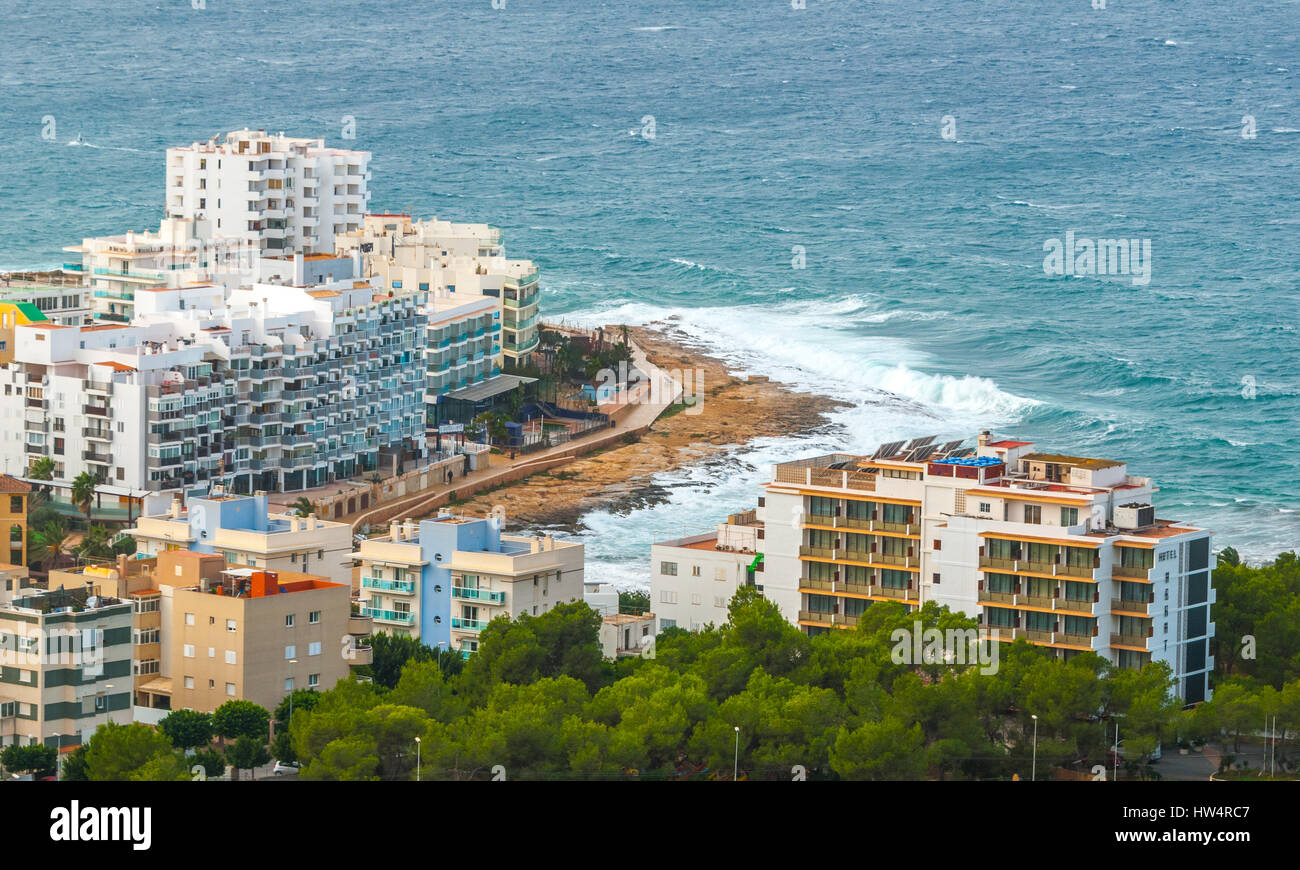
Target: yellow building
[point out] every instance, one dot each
(15, 314)
(14, 495)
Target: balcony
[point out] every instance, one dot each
(1136, 641)
(360, 626)
(468, 624)
(1132, 572)
(362, 656)
(404, 586)
(101, 458)
(1124, 606)
(883, 560)
(815, 616)
(95, 410)
(1045, 569)
(402, 617)
(478, 595)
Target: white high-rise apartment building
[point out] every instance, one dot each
(1063, 551)
(282, 194)
(275, 387)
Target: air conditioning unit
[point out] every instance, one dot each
(1135, 515)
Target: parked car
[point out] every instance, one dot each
(283, 767)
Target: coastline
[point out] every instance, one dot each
(732, 411)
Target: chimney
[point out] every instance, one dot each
(984, 438)
(410, 529)
(394, 531)
(550, 543)
(175, 510)
(535, 546)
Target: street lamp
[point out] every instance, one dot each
(293, 686)
(1033, 771)
(735, 768)
(417, 759)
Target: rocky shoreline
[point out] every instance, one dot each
(731, 412)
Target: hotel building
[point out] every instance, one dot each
(66, 665)
(694, 578)
(277, 193)
(445, 579)
(273, 387)
(462, 259)
(1063, 551)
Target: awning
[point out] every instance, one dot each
(493, 386)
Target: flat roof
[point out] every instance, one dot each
(493, 386)
(1062, 459)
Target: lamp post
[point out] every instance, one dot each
(735, 767)
(293, 688)
(1033, 771)
(417, 759)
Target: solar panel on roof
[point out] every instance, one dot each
(951, 446)
(887, 449)
(921, 442)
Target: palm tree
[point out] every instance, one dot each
(83, 493)
(303, 507)
(45, 545)
(96, 543)
(42, 469)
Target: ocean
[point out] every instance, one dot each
(854, 197)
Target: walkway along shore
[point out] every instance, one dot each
(632, 417)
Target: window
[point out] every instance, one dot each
(212, 652)
(189, 650)
(24, 676)
(986, 507)
(313, 618)
(230, 625)
(667, 596)
(938, 544)
(189, 682)
(668, 569)
(230, 656)
(695, 598)
(189, 617)
(1033, 514)
(695, 570)
(288, 684)
(313, 648)
(290, 651)
(15, 504)
(936, 580)
(313, 680)
(230, 689)
(288, 620)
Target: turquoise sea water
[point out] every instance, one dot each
(923, 300)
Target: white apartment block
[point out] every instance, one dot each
(280, 193)
(459, 259)
(693, 579)
(273, 387)
(1063, 551)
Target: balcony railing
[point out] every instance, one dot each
(468, 624)
(478, 594)
(1132, 572)
(400, 616)
(1137, 640)
(407, 586)
(814, 616)
(1130, 606)
(1051, 569)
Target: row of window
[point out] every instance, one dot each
(313, 618)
